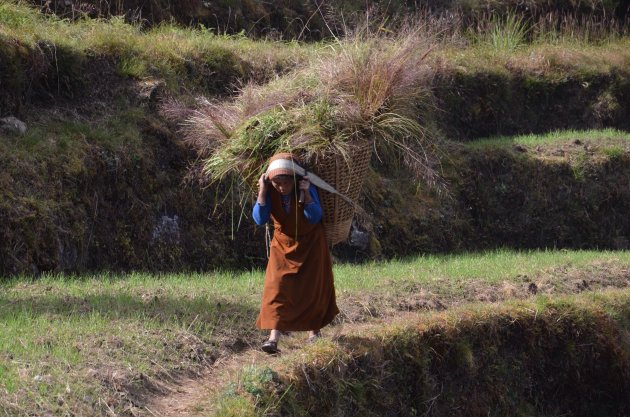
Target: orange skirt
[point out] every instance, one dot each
(299, 291)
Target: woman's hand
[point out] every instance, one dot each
(305, 183)
(304, 186)
(263, 186)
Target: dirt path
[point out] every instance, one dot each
(192, 396)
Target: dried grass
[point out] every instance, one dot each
(366, 86)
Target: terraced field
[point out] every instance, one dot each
(130, 286)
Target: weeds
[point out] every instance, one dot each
(614, 152)
(579, 166)
(15, 15)
(507, 33)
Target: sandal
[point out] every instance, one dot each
(270, 346)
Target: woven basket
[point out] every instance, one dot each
(346, 176)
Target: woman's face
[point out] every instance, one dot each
(283, 185)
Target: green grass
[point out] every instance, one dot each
(119, 132)
(613, 152)
(67, 344)
(77, 337)
(57, 150)
(57, 330)
(507, 33)
(488, 267)
(169, 52)
(551, 138)
(190, 55)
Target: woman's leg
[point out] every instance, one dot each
(274, 335)
(271, 345)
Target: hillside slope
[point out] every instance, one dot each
(101, 179)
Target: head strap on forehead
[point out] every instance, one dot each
(283, 166)
(286, 166)
(284, 163)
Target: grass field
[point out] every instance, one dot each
(109, 343)
(88, 344)
(552, 138)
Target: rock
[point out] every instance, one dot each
(167, 230)
(532, 289)
(358, 238)
(520, 148)
(150, 91)
(42, 378)
(12, 125)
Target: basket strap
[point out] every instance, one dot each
(314, 179)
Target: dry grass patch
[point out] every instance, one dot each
(366, 88)
(541, 59)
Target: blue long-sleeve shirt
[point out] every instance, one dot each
(312, 211)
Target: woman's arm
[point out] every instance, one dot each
(312, 208)
(261, 212)
(262, 208)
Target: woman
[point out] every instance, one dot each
(299, 292)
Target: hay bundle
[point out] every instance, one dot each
(360, 94)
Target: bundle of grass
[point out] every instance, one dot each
(361, 94)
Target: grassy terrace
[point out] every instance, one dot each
(177, 54)
(44, 56)
(103, 344)
(552, 138)
(86, 345)
(532, 357)
(83, 93)
(166, 51)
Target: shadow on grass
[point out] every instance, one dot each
(194, 310)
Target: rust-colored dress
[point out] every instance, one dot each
(299, 292)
